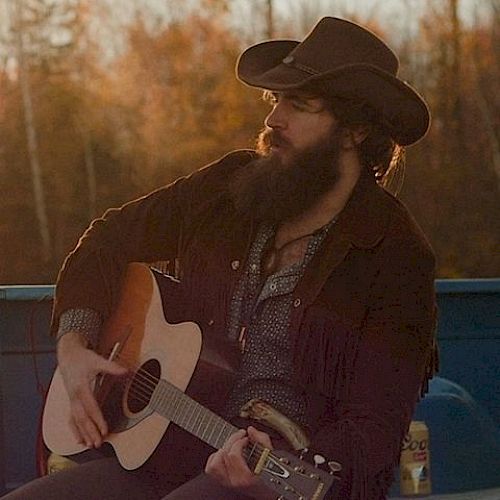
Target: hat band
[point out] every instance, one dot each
(290, 61)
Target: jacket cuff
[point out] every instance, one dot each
(88, 322)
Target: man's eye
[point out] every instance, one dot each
(301, 105)
(306, 105)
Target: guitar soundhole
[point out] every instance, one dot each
(143, 385)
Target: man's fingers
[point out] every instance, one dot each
(236, 450)
(94, 412)
(111, 367)
(236, 463)
(260, 437)
(76, 432)
(88, 417)
(240, 476)
(92, 432)
(216, 468)
(85, 427)
(241, 433)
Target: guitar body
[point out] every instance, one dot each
(163, 360)
(139, 328)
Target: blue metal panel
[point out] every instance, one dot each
(25, 352)
(468, 286)
(469, 340)
(33, 292)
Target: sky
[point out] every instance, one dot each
(400, 16)
(382, 8)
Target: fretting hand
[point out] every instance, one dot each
(229, 467)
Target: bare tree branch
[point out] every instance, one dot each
(31, 136)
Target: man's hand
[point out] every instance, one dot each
(79, 367)
(228, 466)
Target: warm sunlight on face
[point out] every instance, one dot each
(298, 120)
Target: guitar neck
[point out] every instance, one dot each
(173, 404)
(282, 472)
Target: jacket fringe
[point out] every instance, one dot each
(431, 367)
(325, 354)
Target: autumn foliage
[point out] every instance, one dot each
(112, 124)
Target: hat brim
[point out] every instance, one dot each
(402, 110)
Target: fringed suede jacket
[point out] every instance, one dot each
(363, 315)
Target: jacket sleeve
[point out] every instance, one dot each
(144, 230)
(391, 357)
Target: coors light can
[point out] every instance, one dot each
(414, 470)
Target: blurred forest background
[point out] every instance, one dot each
(102, 101)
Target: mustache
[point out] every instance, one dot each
(268, 138)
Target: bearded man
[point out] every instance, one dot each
(295, 257)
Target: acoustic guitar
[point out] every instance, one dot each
(161, 358)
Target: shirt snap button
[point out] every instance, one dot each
(297, 302)
(211, 322)
(235, 264)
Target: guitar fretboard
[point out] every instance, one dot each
(173, 404)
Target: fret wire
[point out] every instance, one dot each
(183, 412)
(174, 401)
(176, 405)
(228, 430)
(199, 419)
(170, 400)
(219, 436)
(215, 422)
(165, 398)
(192, 416)
(209, 427)
(208, 420)
(196, 414)
(201, 425)
(162, 397)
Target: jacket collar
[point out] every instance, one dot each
(362, 224)
(365, 217)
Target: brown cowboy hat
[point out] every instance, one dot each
(351, 62)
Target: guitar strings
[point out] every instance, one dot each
(148, 382)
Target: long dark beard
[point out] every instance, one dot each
(274, 191)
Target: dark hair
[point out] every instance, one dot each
(378, 152)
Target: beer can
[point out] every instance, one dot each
(414, 469)
(56, 463)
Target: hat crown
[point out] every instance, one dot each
(335, 42)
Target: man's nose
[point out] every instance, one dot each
(276, 118)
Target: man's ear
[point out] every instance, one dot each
(355, 135)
